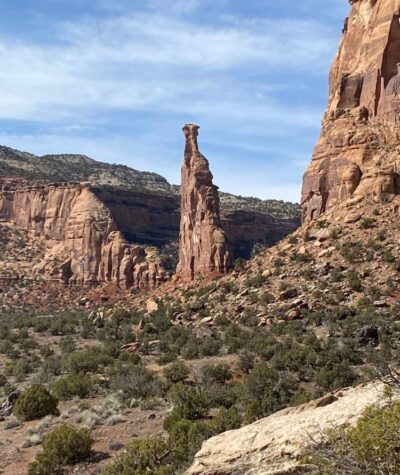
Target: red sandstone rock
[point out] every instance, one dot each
(203, 245)
(83, 243)
(358, 151)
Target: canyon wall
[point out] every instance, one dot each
(104, 234)
(357, 154)
(204, 248)
(83, 241)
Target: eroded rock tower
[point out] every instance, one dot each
(204, 249)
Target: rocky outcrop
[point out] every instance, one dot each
(91, 231)
(145, 207)
(276, 445)
(203, 246)
(83, 242)
(358, 151)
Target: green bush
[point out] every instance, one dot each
(135, 381)
(75, 384)
(370, 447)
(87, 361)
(219, 373)
(189, 403)
(177, 372)
(167, 358)
(143, 457)
(34, 403)
(264, 392)
(354, 281)
(65, 445)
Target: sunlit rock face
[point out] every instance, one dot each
(83, 242)
(357, 154)
(203, 246)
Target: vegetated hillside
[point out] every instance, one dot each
(14, 163)
(315, 313)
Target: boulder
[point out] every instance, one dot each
(275, 445)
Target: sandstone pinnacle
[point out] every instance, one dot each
(203, 246)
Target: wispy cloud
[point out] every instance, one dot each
(147, 60)
(124, 81)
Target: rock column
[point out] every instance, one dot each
(204, 249)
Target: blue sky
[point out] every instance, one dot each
(117, 79)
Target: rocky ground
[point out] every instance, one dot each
(111, 424)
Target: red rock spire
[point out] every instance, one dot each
(203, 246)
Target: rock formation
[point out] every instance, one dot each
(143, 206)
(276, 444)
(203, 246)
(83, 242)
(358, 151)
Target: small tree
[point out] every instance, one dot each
(65, 445)
(35, 403)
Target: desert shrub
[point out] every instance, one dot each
(388, 256)
(210, 346)
(142, 457)
(177, 372)
(75, 384)
(370, 447)
(67, 344)
(87, 361)
(3, 380)
(218, 373)
(301, 257)
(239, 264)
(226, 419)
(264, 392)
(351, 251)
(189, 402)
(367, 222)
(246, 362)
(354, 281)
(190, 351)
(135, 381)
(335, 376)
(34, 403)
(186, 437)
(167, 358)
(65, 445)
(174, 339)
(52, 366)
(256, 281)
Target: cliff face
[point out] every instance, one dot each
(90, 231)
(203, 246)
(83, 241)
(358, 152)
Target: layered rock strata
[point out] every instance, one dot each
(357, 154)
(84, 244)
(204, 248)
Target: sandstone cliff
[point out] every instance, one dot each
(82, 239)
(145, 207)
(204, 248)
(358, 151)
(275, 445)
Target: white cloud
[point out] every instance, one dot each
(145, 61)
(149, 71)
